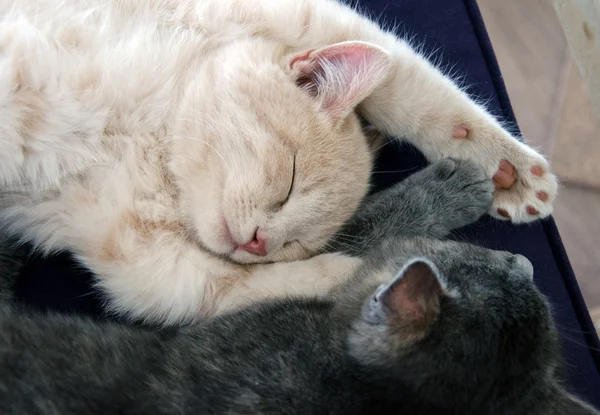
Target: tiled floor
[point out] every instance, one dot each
(555, 114)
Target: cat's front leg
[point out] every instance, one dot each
(414, 101)
(314, 277)
(446, 123)
(447, 195)
(150, 271)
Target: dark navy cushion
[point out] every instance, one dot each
(455, 31)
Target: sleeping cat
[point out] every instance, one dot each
(422, 327)
(174, 144)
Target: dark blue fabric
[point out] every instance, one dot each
(454, 29)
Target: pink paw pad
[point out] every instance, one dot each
(460, 132)
(503, 212)
(537, 171)
(506, 175)
(543, 196)
(525, 188)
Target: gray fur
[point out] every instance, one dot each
(472, 334)
(13, 257)
(447, 195)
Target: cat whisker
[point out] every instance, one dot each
(347, 238)
(350, 236)
(387, 142)
(564, 332)
(340, 242)
(349, 247)
(460, 237)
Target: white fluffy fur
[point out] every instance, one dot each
(146, 135)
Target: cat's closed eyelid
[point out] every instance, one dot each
(280, 204)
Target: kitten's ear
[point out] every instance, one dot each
(412, 298)
(340, 76)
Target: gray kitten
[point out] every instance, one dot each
(423, 327)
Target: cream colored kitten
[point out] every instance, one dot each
(168, 143)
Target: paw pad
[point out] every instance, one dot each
(460, 132)
(525, 188)
(543, 196)
(506, 175)
(503, 212)
(537, 171)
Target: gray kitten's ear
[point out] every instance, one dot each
(340, 76)
(412, 298)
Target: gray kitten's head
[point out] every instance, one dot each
(464, 326)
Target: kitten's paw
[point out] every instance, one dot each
(464, 188)
(525, 189)
(453, 193)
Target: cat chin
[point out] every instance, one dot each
(286, 253)
(242, 257)
(281, 254)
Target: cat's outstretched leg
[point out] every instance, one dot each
(314, 277)
(444, 196)
(153, 273)
(415, 101)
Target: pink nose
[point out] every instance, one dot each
(256, 246)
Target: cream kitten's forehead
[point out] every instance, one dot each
(273, 103)
(262, 109)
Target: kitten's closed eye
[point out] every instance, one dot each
(280, 204)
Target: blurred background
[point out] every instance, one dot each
(556, 116)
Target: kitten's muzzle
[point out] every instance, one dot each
(257, 245)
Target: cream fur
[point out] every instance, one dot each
(144, 135)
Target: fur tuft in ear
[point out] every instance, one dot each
(340, 76)
(412, 298)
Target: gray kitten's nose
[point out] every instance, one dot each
(523, 265)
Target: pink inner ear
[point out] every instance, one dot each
(341, 75)
(348, 51)
(405, 302)
(415, 296)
